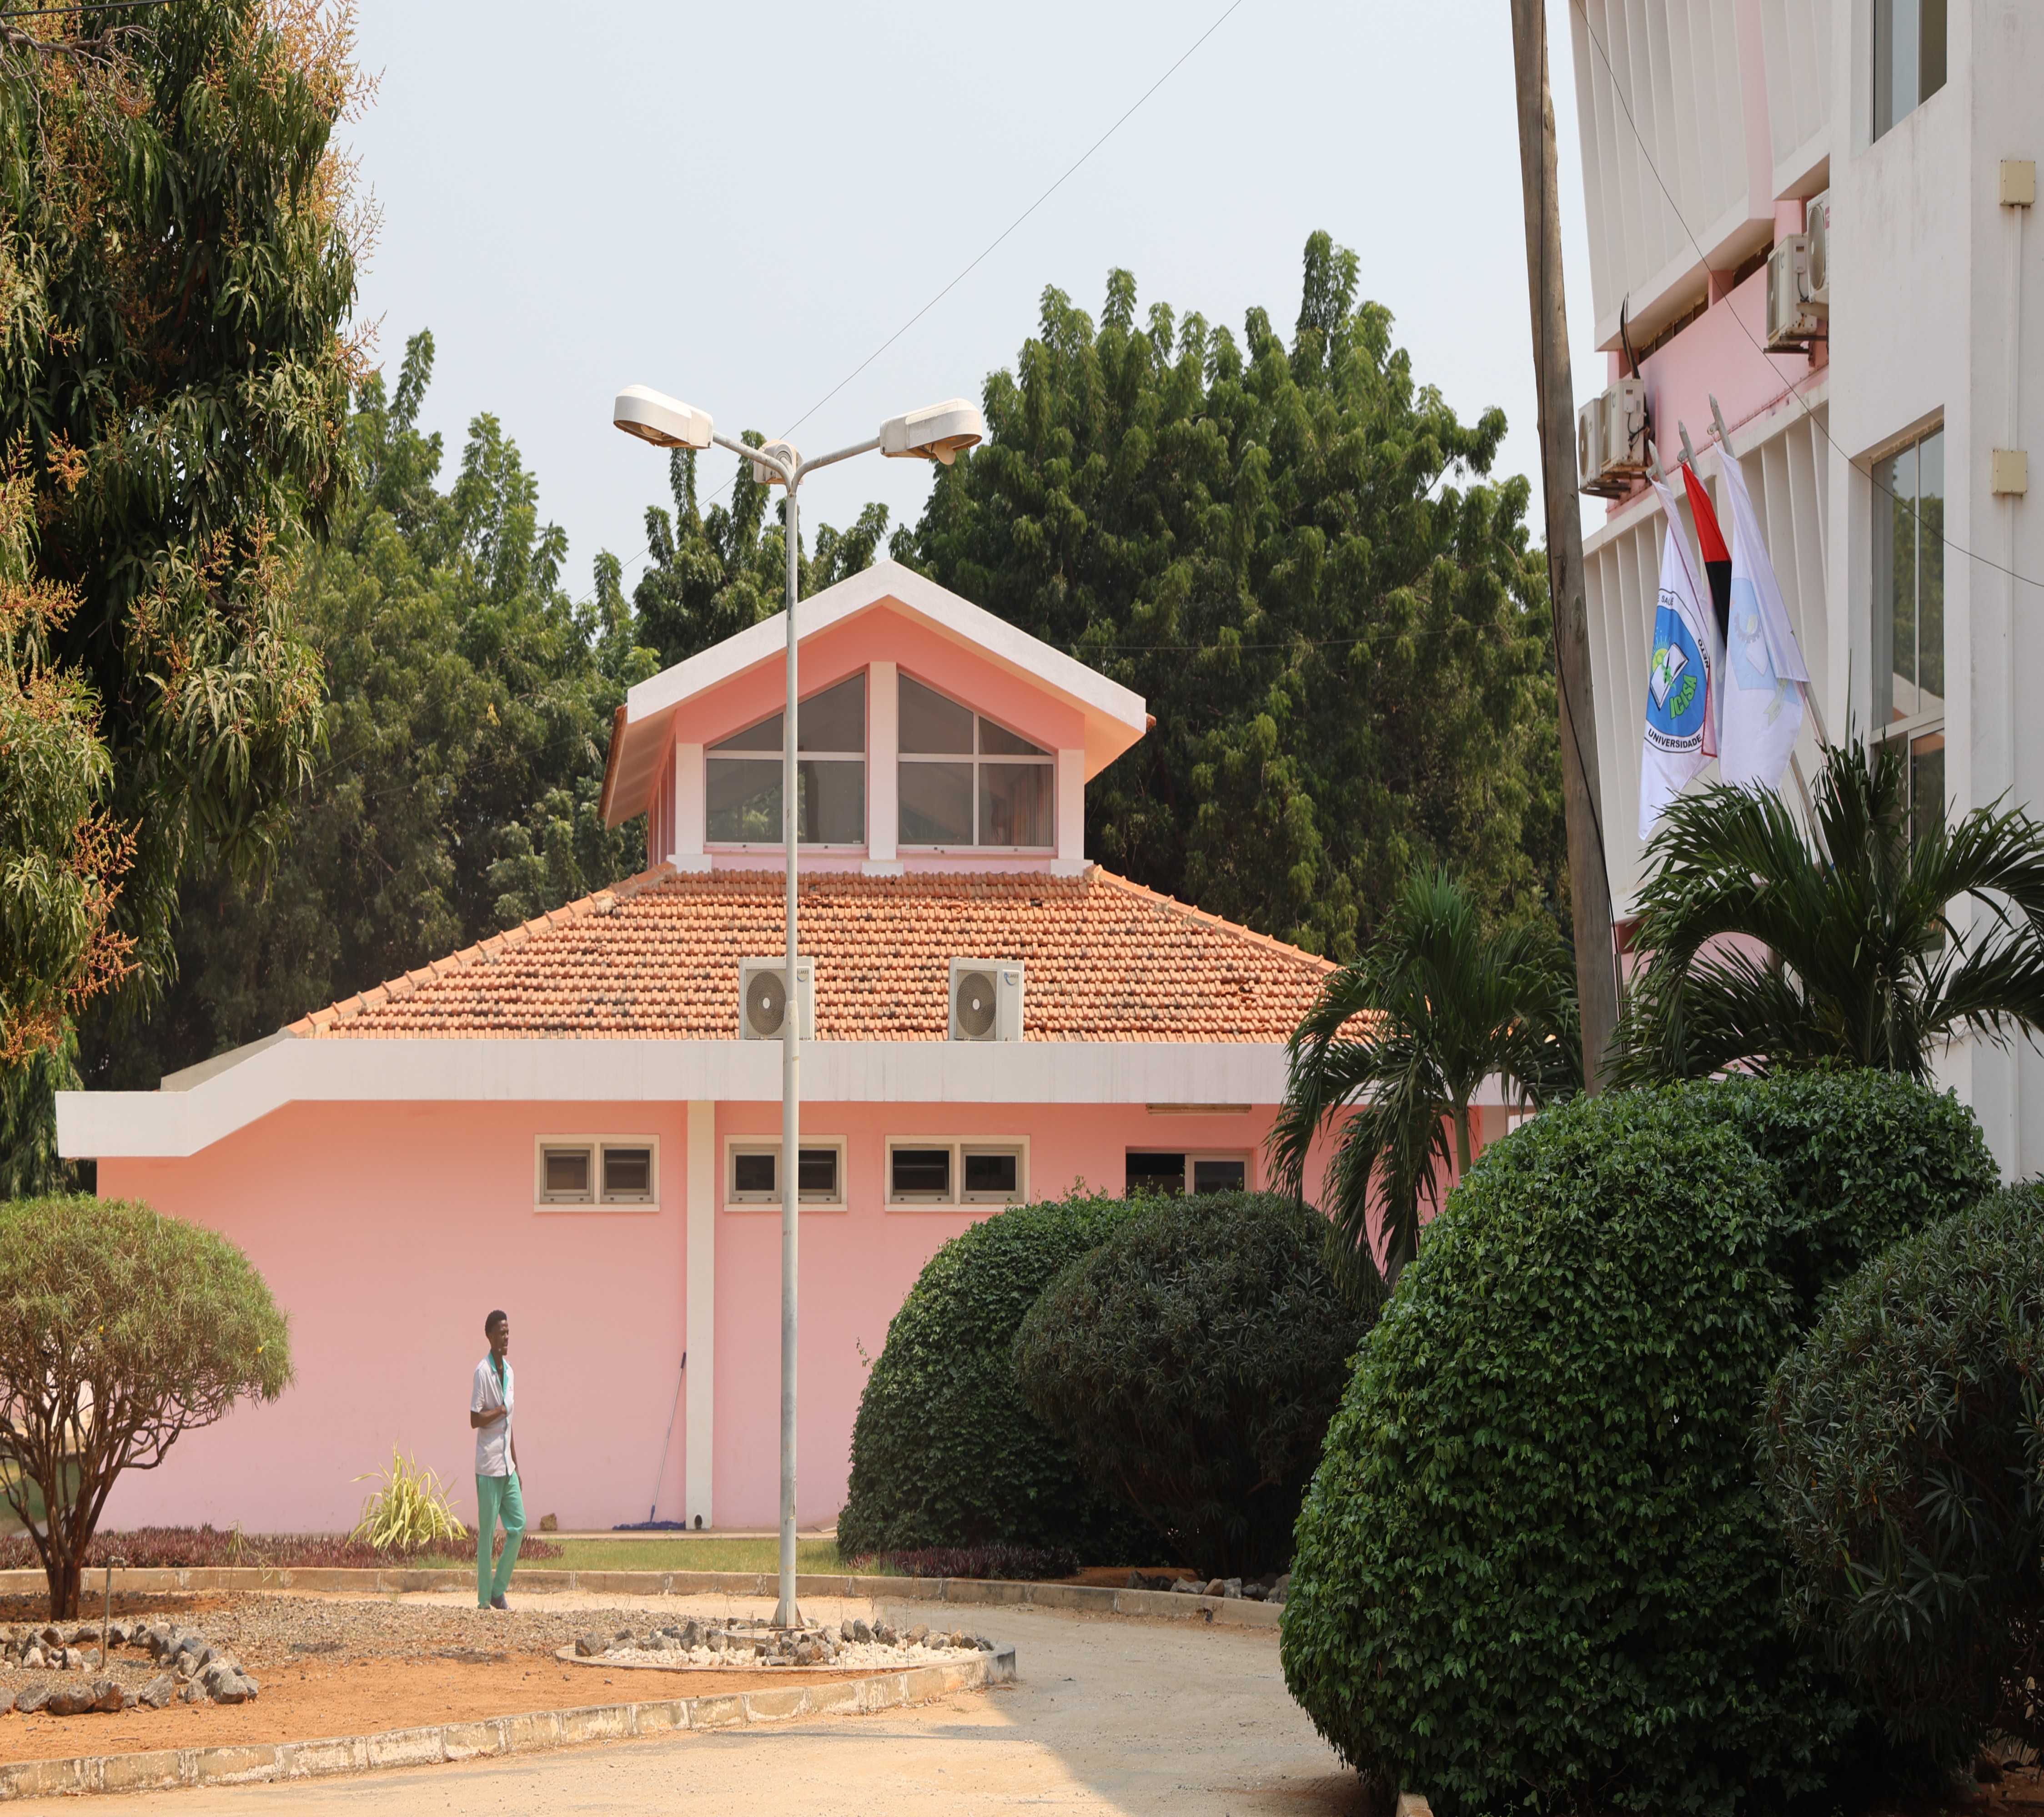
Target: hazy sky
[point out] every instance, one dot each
(738, 207)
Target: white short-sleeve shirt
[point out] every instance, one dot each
(492, 1443)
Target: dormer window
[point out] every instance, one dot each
(743, 775)
(967, 782)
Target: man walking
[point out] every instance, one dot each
(497, 1496)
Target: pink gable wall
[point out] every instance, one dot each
(388, 1231)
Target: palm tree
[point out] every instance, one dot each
(1400, 1041)
(1769, 952)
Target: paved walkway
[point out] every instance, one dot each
(1112, 1714)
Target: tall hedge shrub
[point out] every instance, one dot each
(945, 1452)
(1192, 1362)
(1535, 1567)
(1904, 1452)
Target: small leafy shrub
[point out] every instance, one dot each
(1016, 1563)
(945, 1452)
(409, 1512)
(1904, 1452)
(1534, 1568)
(1192, 1362)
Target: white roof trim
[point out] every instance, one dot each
(1116, 716)
(180, 1122)
(173, 1123)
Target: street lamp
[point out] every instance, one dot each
(938, 432)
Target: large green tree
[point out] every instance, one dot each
(471, 701)
(176, 264)
(1292, 553)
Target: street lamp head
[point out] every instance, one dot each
(936, 432)
(654, 416)
(789, 456)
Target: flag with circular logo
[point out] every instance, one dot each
(1681, 674)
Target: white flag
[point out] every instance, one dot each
(1763, 700)
(1680, 675)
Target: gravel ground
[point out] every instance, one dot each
(267, 1633)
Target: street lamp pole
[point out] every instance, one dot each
(938, 433)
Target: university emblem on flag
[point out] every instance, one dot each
(1675, 696)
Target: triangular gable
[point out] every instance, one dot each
(1115, 717)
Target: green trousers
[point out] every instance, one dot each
(496, 1497)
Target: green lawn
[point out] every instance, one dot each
(675, 1554)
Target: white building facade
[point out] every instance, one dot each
(1879, 156)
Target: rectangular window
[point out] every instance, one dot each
(1927, 784)
(742, 793)
(564, 1176)
(1909, 582)
(964, 781)
(991, 1176)
(597, 1170)
(1909, 58)
(1174, 1175)
(919, 1175)
(752, 1175)
(627, 1175)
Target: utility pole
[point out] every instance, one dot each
(1596, 963)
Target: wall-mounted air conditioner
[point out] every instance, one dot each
(1611, 440)
(1589, 450)
(1817, 275)
(762, 998)
(1798, 306)
(986, 999)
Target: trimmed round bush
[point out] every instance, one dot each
(1864, 1159)
(945, 1452)
(1534, 1570)
(1904, 1445)
(1191, 1362)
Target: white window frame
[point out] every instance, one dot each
(1247, 1157)
(735, 1201)
(958, 1147)
(973, 759)
(596, 1200)
(714, 753)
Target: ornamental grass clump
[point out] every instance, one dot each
(409, 1512)
(1191, 1362)
(1535, 1569)
(945, 1452)
(1903, 1446)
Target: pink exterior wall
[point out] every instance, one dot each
(387, 1231)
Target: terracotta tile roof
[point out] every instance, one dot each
(657, 957)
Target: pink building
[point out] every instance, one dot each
(579, 1121)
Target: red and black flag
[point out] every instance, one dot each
(1711, 543)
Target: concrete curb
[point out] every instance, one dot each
(966, 1592)
(494, 1737)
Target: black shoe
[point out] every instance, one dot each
(499, 1603)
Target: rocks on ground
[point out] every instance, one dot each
(190, 1667)
(877, 1646)
(1272, 1588)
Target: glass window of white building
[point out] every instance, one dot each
(1909, 58)
(1909, 613)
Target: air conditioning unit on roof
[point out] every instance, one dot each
(762, 998)
(986, 999)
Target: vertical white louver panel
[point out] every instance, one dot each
(1661, 109)
(1797, 35)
